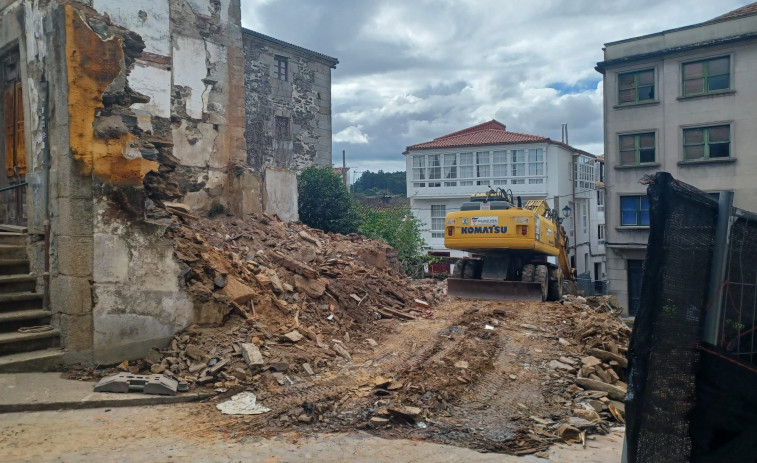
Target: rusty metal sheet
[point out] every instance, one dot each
(494, 289)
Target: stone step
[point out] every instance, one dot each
(20, 301)
(12, 252)
(12, 321)
(17, 283)
(13, 228)
(17, 239)
(14, 267)
(37, 360)
(15, 342)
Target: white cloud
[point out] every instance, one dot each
(411, 71)
(351, 135)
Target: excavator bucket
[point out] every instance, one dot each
(496, 290)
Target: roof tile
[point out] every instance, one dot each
(488, 133)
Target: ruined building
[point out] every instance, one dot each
(111, 109)
(288, 107)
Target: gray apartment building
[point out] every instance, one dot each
(682, 101)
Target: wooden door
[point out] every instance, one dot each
(15, 145)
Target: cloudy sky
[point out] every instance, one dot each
(412, 70)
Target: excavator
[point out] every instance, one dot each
(516, 252)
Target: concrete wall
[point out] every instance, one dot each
(667, 115)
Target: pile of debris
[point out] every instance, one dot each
(598, 367)
(291, 301)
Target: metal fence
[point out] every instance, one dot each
(590, 287)
(692, 382)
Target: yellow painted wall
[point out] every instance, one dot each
(92, 64)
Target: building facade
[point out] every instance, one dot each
(288, 116)
(443, 173)
(111, 109)
(680, 101)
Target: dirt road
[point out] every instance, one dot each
(174, 434)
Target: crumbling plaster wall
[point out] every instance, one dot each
(130, 120)
(183, 118)
(304, 98)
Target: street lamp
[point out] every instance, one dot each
(566, 211)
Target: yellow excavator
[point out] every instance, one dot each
(516, 252)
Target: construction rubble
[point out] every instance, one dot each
(325, 332)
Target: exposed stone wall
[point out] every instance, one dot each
(304, 98)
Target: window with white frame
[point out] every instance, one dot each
(450, 169)
(482, 164)
(585, 216)
(584, 175)
(419, 170)
(466, 166)
(438, 211)
(535, 162)
(519, 163)
(497, 168)
(434, 170)
(600, 200)
(601, 233)
(499, 163)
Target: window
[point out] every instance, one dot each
(706, 76)
(499, 166)
(437, 220)
(466, 166)
(282, 128)
(535, 162)
(584, 216)
(482, 164)
(707, 143)
(434, 169)
(600, 200)
(280, 65)
(584, 176)
(637, 148)
(450, 166)
(419, 170)
(636, 87)
(634, 211)
(601, 233)
(519, 163)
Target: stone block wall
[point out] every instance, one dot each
(303, 99)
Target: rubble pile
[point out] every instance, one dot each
(597, 366)
(281, 300)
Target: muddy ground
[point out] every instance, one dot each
(478, 371)
(331, 337)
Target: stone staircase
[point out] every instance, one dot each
(22, 348)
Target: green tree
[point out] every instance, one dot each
(381, 182)
(324, 201)
(401, 230)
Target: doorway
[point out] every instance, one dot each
(12, 141)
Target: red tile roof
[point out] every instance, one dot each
(488, 133)
(743, 11)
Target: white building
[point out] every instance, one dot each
(444, 172)
(681, 101)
